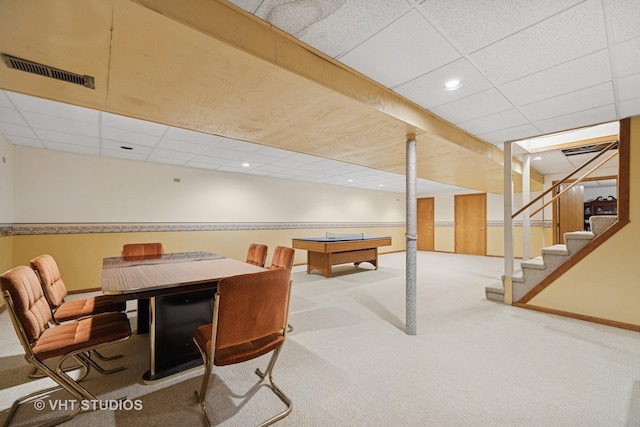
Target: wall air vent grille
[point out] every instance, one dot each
(44, 70)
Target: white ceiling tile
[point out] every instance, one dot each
(201, 165)
(628, 57)
(115, 146)
(273, 152)
(494, 122)
(625, 15)
(576, 120)
(42, 121)
(509, 134)
(191, 136)
(224, 153)
(255, 158)
(475, 24)
(127, 155)
(43, 106)
(183, 146)
(630, 108)
(629, 87)
(67, 138)
(564, 78)
(9, 129)
(584, 99)
(165, 160)
(356, 21)
(209, 160)
(21, 140)
(129, 137)
(170, 154)
(72, 148)
(4, 100)
(133, 125)
(566, 36)
(248, 5)
(472, 107)
(10, 115)
(428, 90)
(232, 144)
(406, 49)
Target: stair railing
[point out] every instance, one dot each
(610, 146)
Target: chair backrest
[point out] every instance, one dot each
(252, 306)
(282, 258)
(257, 254)
(54, 288)
(142, 249)
(28, 302)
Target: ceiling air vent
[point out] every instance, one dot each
(587, 149)
(44, 70)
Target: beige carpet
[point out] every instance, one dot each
(349, 363)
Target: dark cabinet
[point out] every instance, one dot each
(600, 206)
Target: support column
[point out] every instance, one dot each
(412, 236)
(508, 226)
(526, 198)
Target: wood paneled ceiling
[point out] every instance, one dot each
(209, 66)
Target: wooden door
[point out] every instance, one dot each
(568, 212)
(425, 220)
(471, 224)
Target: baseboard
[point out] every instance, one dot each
(607, 322)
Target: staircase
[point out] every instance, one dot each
(535, 270)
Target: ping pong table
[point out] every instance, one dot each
(335, 249)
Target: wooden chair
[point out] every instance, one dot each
(31, 317)
(249, 320)
(257, 254)
(282, 258)
(131, 250)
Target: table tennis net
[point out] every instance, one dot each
(340, 236)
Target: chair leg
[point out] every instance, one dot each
(62, 383)
(37, 373)
(90, 361)
(276, 390)
(107, 358)
(208, 368)
(289, 327)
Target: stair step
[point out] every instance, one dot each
(578, 235)
(494, 294)
(555, 250)
(536, 263)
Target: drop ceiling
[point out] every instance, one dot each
(365, 75)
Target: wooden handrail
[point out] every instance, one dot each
(576, 182)
(585, 164)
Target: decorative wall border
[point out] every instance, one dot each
(500, 223)
(92, 228)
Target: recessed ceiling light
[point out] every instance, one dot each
(380, 185)
(538, 158)
(349, 180)
(245, 165)
(452, 84)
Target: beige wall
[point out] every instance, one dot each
(605, 283)
(64, 188)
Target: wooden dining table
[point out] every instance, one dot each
(180, 289)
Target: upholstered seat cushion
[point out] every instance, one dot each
(75, 309)
(92, 331)
(237, 353)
